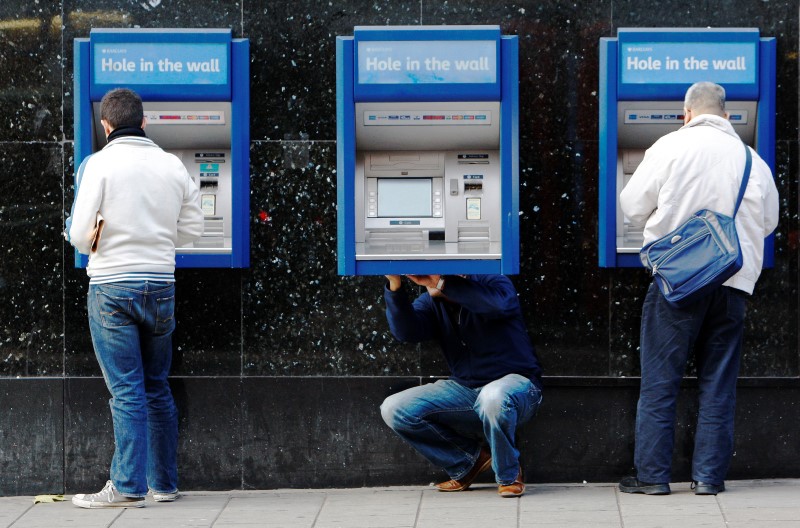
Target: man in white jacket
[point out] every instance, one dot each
(697, 167)
(148, 204)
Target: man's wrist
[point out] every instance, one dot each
(394, 283)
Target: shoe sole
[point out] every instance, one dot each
(97, 505)
(166, 498)
(508, 494)
(707, 492)
(486, 465)
(646, 490)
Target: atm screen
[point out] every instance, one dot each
(404, 197)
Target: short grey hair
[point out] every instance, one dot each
(705, 98)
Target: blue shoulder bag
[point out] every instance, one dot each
(697, 257)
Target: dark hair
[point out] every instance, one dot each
(122, 107)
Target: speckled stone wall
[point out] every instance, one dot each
(279, 368)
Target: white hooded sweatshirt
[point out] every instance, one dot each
(700, 166)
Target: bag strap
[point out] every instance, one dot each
(743, 187)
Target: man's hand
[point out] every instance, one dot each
(429, 281)
(395, 281)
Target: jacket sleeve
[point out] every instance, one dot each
(639, 198)
(88, 197)
(410, 322)
(190, 219)
(491, 296)
(771, 207)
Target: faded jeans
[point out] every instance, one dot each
(447, 422)
(132, 325)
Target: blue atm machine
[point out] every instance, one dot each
(644, 75)
(427, 147)
(195, 86)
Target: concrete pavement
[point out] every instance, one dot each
(746, 504)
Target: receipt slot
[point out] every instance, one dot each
(644, 75)
(195, 88)
(427, 148)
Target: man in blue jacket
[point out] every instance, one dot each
(467, 423)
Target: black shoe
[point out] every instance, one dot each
(634, 485)
(704, 488)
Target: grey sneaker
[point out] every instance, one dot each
(108, 497)
(165, 497)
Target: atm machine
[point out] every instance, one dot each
(195, 88)
(644, 75)
(427, 142)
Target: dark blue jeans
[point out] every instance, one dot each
(712, 328)
(132, 325)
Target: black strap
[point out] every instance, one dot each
(745, 178)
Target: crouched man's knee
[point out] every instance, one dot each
(390, 411)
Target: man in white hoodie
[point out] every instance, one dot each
(697, 167)
(149, 205)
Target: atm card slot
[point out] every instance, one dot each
(473, 162)
(383, 237)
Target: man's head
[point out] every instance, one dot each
(704, 98)
(121, 108)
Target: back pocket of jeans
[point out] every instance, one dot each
(165, 315)
(114, 311)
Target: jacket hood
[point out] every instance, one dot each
(720, 123)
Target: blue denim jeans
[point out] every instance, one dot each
(712, 328)
(447, 422)
(132, 325)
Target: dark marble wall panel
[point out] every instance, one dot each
(88, 435)
(264, 432)
(31, 66)
(324, 432)
(208, 335)
(31, 340)
(79, 358)
(766, 431)
(300, 317)
(31, 436)
(580, 433)
(771, 332)
(80, 16)
(209, 429)
(210, 432)
(563, 292)
(774, 19)
(293, 71)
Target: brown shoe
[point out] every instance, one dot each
(483, 463)
(515, 489)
